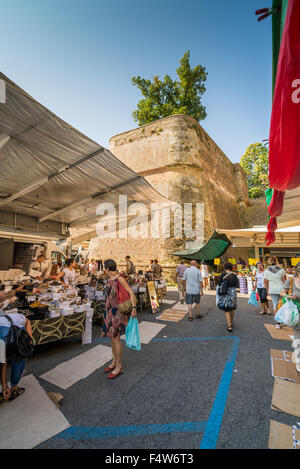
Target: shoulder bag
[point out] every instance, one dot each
(19, 344)
(123, 298)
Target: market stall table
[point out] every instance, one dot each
(54, 329)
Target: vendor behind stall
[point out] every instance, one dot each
(157, 270)
(42, 265)
(56, 269)
(68, 274)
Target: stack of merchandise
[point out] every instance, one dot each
(243, 284)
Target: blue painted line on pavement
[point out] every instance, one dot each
(211, 435)
(211, 428)
(92, 433)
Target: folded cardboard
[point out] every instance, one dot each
(281, 355)
(283, 436)
(281, 334)
(286, 397)
(284, 370)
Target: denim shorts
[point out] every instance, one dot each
(191, 299)
(262, 293)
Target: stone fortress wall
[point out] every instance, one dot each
(180, 160)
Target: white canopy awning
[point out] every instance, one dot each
(51, 171)
(291, 209)
(255, 236)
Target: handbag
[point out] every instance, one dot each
(228, 302)
(123, 299)
(19, 344)
(221, 286)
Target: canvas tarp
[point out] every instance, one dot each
(284, 139)
(51, 171)
(216, 246)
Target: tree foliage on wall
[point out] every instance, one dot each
(255, 163)
(166, 97)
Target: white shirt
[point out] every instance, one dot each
(42, 267)
(70, 276)
(17, 318)
(204, 270)
(193, 277)
(260, 279)
(275, 281)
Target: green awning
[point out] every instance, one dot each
(216, 246)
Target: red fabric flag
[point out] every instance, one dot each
(284, 142)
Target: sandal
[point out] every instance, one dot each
(191, 319)
(229, 329)
(199, 316)
(16, 393)
(2, 398)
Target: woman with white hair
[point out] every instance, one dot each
(274, 278)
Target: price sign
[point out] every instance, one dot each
(253, 261)
(295, 261)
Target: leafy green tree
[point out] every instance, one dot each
(255, 163)
(168, 97)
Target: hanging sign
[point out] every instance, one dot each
(153, 297)
(217, 261)
(295, 261)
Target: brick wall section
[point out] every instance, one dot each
(24, 254)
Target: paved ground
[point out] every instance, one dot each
(194, 385)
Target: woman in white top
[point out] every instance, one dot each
(274, 278)
(204, 273)
(17, 368)
(68, 274)
(261, 290)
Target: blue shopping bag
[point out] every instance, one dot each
(253, 300)
(132, 335)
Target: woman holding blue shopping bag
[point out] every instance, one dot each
(120, 300)
(274, 279)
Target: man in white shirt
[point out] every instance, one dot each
(180, 269)
(41, 265)
(193, 283)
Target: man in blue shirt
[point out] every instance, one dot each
(194, 289)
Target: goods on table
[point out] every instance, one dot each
(243, 284)
(40, 300)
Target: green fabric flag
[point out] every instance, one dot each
(269, 195)
(278, 20)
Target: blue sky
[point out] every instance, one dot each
(77, 58)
